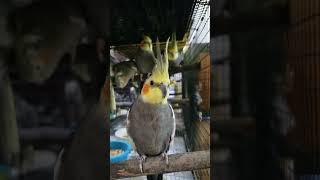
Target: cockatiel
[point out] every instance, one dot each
(123, 72)
(151, 120)
(173, 48)
(145, 59)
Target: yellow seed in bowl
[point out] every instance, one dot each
(114, 152)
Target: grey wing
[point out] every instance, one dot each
(128, 132)
(171, 140)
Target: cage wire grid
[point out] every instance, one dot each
(197, 51)
(199, 32)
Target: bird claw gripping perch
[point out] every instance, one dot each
(141, 160)
(165, 156)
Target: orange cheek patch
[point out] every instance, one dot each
(145, 89)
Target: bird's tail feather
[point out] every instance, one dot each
(155, 177)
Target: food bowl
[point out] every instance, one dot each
(122, 145)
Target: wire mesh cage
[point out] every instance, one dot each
(197, 83)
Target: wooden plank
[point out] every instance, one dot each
(204, 80)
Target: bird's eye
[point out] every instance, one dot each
(151, 83)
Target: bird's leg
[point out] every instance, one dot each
(164, 155)
(142, 159)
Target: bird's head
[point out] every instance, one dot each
(155, 90)
(146, 43)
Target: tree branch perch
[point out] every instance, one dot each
(155, 165)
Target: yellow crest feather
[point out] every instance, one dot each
(161, 69)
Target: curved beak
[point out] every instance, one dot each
(164, 90)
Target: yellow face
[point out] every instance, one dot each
(155, 91)
(146, 43)
(156, 88)
(173, 55)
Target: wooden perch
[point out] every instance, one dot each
(177, 162)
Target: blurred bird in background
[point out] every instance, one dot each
(145, 59)
(123, 72)
(173, 52)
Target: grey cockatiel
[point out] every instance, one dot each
(151, 120)
(145, 59)
(123, 72)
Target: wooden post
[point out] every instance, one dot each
(156, 165)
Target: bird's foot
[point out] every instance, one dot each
(141, 160)
(165, 156)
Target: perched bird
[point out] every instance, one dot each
(123, 72)
(173, 53)
(151, 120)
(145, 59)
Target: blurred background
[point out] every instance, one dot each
(53, 65)
(265, 59)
